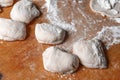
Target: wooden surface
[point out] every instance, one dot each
(22, 60)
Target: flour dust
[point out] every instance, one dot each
(80, 22)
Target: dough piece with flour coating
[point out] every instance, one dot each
(56, 60)
(24, 11)
(6, 3)
(110, 8)
(49, 34)
(12, 30)
(90, 53)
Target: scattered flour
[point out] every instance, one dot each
(116, 19)
(32, 66)
(53, 12)
(81, 25)
(109, 35)
(80, 1)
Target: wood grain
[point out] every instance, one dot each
(22, 60)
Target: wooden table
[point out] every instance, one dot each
(22, 60)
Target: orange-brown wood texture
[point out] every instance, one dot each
(22, 60)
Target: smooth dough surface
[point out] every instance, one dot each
(110, 8)
(90, 53)
(5, 3)
(24, 11)
(12, 30)
(49, 34)
(56, 60)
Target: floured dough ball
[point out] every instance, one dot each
(56, 60)
(24, 11)
(110, 8)
(12, 30)
(6, 3)
(49, 34)
(91, 53)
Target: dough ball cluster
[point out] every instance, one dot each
(89, 53)
(24, 11)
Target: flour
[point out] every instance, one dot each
(53, 12)
(116, 19)
(109, 35)
(32, 66)
(80, 1)
(81, 23)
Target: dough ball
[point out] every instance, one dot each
(110, 8)
(5, 3)
(49, 34)
(56, 60)
(90, 53)
(12, 30)
(24, 11)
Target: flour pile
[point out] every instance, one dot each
(81, 24)
(53, 12)
(109, 35)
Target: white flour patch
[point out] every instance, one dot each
(32, 67)
(73, 17)
(80, 1)
(52, 15)
(116, 19)
(109, 35)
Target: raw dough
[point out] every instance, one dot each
(56, 60)
(6, 3)
(12, 30)
(91, 53)
(24, 11)
(49, 34)
(110, 8)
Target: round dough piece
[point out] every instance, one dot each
(59, 61)
(24, 11)
(49, 34)
(6, 3)
(12, 30)
(90, 53)
(110, 8)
